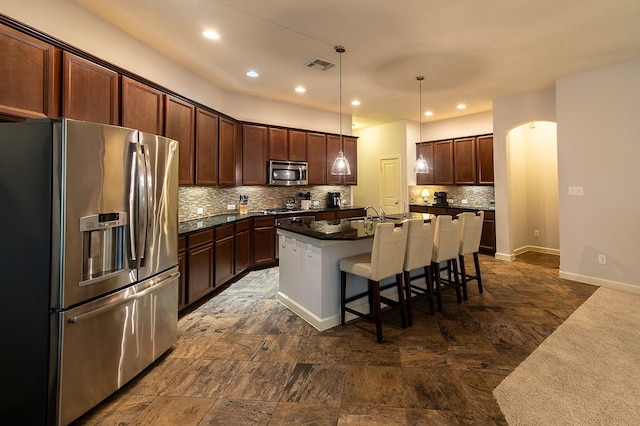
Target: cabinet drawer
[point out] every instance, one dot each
(260, 222)
(325, 215)
(243, 225)
(489, 215)
(182, 243)
(200, 238)
(342, 214)
(224, 231)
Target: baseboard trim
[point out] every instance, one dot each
(537, 249)
(600, 282)
(504, 256)
(320, 324)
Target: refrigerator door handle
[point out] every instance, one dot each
(125, 300)
(133, 196)
(145, 202)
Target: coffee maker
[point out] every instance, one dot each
(333, 200)
(440, 198)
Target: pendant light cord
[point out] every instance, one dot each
(340, 50)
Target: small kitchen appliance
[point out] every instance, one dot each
(333, 200)
(440, 198)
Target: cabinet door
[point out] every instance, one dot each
(200, 266)
(484, 155)
(142, 107)
(488, 236)
(443, 163)
(464, 155)
(297, 145)
(90, 92)
(206, 148)
(224, 254)
(350, 149)
(242, 247)
(227, 153)
(264, 241)
(182, 267)
(317, 158)
(28, 86)
(278, 144)
(180, 125)
(254, 155)
(426, 149)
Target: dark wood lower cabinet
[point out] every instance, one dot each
(242, 246)
(224, 254)
(264, 246)
(199, 264)
(182, 266)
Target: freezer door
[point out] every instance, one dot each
(106, 343)
(160, 251)
(92, 169)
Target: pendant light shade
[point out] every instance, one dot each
(421, 163)
(341, 164)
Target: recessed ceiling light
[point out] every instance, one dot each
(428, 113)
(355, 102)
(300, 89)
(461, 106)
(252, 73)
(211, 34)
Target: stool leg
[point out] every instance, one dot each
(428, 277)
(454, 264)
(374, 289)
(407, 289)
(401, 300)
(476, 263)
(463, 274)
(343, 295)
(436, 266)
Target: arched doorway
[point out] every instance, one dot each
(532, 169)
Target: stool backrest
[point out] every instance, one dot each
(471, 232)
(419, 244)
(446, 240)
(387, 254)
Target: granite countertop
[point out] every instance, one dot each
(458, 206)
(342, 229)
(202, 223)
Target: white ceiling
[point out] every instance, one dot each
(470, 51)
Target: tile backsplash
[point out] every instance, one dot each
(214, 200)
(476, 196)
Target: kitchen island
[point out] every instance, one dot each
(310, 252)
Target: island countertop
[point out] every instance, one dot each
(342, 229)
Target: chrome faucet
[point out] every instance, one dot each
(404, 207)
(368, 215)
(383, 215)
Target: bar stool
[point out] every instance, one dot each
(445, 249)
(385, 260)
(418, 255)
(471, 224)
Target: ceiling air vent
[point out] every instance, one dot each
(320, 64)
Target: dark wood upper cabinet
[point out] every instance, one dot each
(254, 155)
(206, 147)
(180, 125)
(29, 76)
(142, 107)
(443, 163)
(484, 155)
(278, 144)
(333, 148)
(227, 153)
(317, 158)
(90, 92)
(464, 155)
(350, 149)
(297, 145)
(426, 149)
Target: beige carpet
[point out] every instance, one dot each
(586, 373)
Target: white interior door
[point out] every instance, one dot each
(390, 184)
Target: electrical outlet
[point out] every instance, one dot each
(576, 190)
(200, 210)
(316, 203)
(231, 206)
(536, 233)
(602, 259)
(464, 201)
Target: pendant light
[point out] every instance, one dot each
(421, 163)
(341, 164)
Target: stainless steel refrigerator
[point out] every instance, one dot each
(88, 263)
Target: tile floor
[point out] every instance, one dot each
(244, 359)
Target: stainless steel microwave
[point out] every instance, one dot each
(287, 173)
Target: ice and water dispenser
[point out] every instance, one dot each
(103, 244)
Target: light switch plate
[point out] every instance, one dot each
(576, 190)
